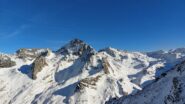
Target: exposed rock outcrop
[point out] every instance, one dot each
(88, 82)
(106, 66)
(174, 96)
(38, 65)
(6, 62)
(77, 47)
(30, 53)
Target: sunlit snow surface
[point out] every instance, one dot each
(58, 82)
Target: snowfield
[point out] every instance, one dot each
(77, 74)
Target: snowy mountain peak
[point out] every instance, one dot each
(178, 50)
(76, 47)
(76, 41)
(108, 49)
(77, 74)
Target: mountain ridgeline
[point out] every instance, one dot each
(78, 74)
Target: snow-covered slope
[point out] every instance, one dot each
(77, 74)
(169, 89)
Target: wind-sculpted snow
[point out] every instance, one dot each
(77, 74)
(169, 89)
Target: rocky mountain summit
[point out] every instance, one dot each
(78, 74)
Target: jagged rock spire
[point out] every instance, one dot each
(76, 42)
(76, 47)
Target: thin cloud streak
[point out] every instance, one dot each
(14, 33)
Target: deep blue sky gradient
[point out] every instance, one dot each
(134, 25)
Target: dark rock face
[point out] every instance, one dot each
(88, 82)
(79, 48)
(29, 53)
(76, 42)
(177, 89)
(175, 93)
(180, 68)
(38, 65)
(86, 53)
(106, 65)
(6, 62)
(73, 46)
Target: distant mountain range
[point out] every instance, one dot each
(78, 74)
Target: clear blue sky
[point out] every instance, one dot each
(143, 25)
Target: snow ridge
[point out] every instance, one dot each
(77, 74)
